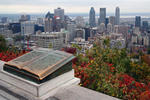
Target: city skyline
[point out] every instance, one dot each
(73, 6)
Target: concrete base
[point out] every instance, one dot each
(33, 91)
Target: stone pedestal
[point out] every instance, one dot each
(33, 91)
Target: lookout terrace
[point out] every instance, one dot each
(43, 74)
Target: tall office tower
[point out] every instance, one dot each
(15, 27)
(71, 28)
(112, 20)
(92, 18)
(57, 24)
(59, 13)
(145, 26)
(138, 21)
(87, 33)
(117, 15)
(48, 22)
(106, 21)
(27, 27)
(102, 15)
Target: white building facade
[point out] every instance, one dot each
(27, 27)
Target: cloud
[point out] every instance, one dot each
(36, 6)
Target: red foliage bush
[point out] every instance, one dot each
(130, 88)
(69, 50)
(9, 55)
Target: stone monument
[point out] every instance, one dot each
(38, 74)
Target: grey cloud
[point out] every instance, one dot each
(125, 5)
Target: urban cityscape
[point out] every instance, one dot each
(96, 51)
(26, 32)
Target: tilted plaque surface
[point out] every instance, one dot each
(40, 65)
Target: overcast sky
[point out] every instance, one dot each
(73, 6)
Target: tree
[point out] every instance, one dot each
(3, 45)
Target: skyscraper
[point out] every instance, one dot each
(48, 22)
(92, 18)
(145, 26)
(59, 13)
(57, 24)
(27, 27)
(106, 21)
(117, 15)
(102, 15)
(71, 29)
(138, 21)
(112, 20)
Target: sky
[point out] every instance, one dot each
(73, 6)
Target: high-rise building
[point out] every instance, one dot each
(92, 18)
(87, 33)
(106, 21)
(57, 24)
(15, 27)
(145, 25)
(138, 21)
(112, 20)
(59, 13)
(102, 15)
(48, 22)
(55, 40)
(71, 29)
(27, 27)
(117, 15)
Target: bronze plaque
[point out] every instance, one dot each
(40, 63)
